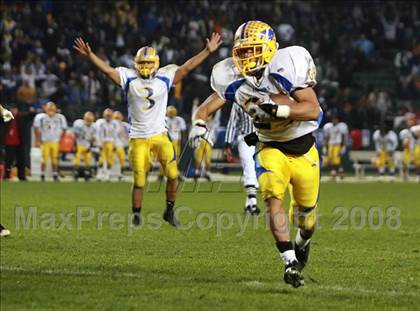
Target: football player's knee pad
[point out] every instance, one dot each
(303, 217)
(139, 179)
(171, 170)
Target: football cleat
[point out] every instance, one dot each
(293, 276)
(302, 255)
(137, 220)
(252, 210)
(4, 232)
(207, 176)
(169, 216)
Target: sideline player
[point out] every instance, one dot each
(416, 133)
(176, 126)
(275, 86)
(106, 136)
(121, 140)
(84, 130)
(6, 115)
(239, 125)
(146, 88)
(386, 142)
(336, 136)
(204, 149)
(49, 128)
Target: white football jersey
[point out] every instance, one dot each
(415, 130)
(146, 100)
(51, 127)
(175, 127)
(291, 68)
(122, 129)
(387, 142)
(336, 134)
(85, 134)
(106, 132)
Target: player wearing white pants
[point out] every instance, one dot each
(239, 125)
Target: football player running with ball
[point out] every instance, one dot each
(146, 88)
(275, 86)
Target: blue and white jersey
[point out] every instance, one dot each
(147, 100)
(291, 68)
(51, 127)
(85, 134)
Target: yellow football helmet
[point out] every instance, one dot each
(146, 62)
(117, 116)
(171, 111)
(89, 117)
(254, 46)
(50, 108)
(107, 114)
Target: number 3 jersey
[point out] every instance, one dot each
(291, 68)
(146, 100)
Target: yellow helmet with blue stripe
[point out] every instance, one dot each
(254, 46)
(146, 62)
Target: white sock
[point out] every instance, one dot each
(288, 256)
(300, 241)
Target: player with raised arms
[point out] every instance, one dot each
(146, 88)
(275, 86)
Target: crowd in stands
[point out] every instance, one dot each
(349, 41)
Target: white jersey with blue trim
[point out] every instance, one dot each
(291, 68)
(51, 127)
(146, 100)
(175, 126)
(106, 131)
(85, 134)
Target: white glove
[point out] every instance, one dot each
(343, 150)
(199, 131)
(7, 115)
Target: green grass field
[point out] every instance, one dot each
(356, 262)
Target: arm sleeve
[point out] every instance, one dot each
(394, 142)
(63, 123)
(183, 124)
(294, 68)
(375, 138)
(37, 121)
(168, 72)
(124, 73)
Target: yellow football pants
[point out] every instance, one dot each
(143, 150)
(50, 150)
(85, 153)
(277, 170)
(203, 153)
(107, 154)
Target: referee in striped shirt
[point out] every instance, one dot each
(240, 124)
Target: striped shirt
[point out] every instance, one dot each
(240, 123)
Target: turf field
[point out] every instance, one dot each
(365, 256)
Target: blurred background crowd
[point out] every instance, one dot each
(367, 52)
